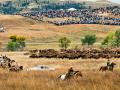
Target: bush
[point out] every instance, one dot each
(12, 46)
(117, 38)
(16, 43)
(64, 42)
(89, 39)
(21, 42)
(109, 40)
(13, 38)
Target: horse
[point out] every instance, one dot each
(67, 76)
(112, 66)
(105, 68)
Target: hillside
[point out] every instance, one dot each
(97, 3)
(43, 32)
(17, 6)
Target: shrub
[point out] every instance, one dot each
(64, 42)
(16, 43)
(109, 40)
(88, 39)
(117, 38)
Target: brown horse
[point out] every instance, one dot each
(78, 74)
(105, 68)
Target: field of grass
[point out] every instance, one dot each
(46, 80)
(39, 32)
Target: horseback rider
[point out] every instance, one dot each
(108, 64)
(70, 71)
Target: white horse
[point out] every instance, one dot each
(66, 76)
(62, 77)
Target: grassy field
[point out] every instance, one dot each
(46, 80)
(42, 32)
(39, 32)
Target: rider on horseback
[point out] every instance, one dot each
(108, 64)
(70, 71)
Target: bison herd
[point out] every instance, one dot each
(84, 53)
(8, 64)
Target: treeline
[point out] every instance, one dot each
(9, 10)
(65, 5)
(12, 7)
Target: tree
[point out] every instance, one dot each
(12, 46)
(16, 43)
(109, 40)
(0, 44)
(21, 42)
(117, 38)
(13, 38)
(64, 42)
(88, 39)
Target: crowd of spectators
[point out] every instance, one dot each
(104, 16)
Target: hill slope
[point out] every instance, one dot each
(43, 32)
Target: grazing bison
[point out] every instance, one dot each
(85, 53)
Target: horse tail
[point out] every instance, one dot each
(59, 77)
(100, 68)
(78, 73)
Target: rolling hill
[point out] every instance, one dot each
(43, 32)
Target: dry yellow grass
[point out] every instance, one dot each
(39, 32)
(42, 32)
(46, 80)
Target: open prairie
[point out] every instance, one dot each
(92, 78)
(35, 31)
(39, 32)
(59, 45)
